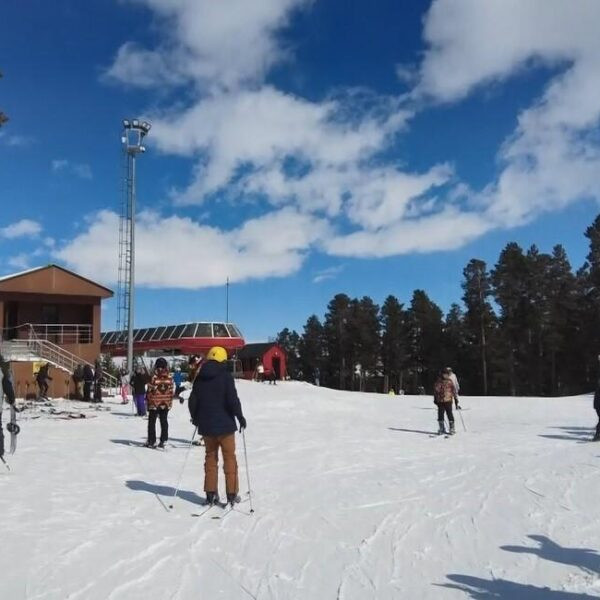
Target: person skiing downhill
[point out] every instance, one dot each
(8, 392)
(214, 405)
(444, 393)
(160, 400)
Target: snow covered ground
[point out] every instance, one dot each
(353, 500)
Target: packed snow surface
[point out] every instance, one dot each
(353, 500)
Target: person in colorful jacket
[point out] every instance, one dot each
(444, 393)
(159, 396)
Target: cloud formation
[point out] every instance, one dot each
(81, 170)
(179, 252)
(22, 228)
(326, 163)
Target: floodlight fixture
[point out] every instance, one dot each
(135, 123)
(126, 124)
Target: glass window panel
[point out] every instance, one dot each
(105, 337)
(204, 330)
(179, 329)
(138, 334)
(149, 333)
(168, 332)
(158, 333)
(233, 330)
(220, 330)
(189, 331)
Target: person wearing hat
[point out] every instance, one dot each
(160, 399)
(214, 406)
(444, 393)
(6, 390)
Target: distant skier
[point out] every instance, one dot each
(260, 372)
(124, 381)
(596, 437)
(139, 381)
(214, 405)
(454, 380)
(88, 381)
(444, 393)
(78, 380)
(317, 377)
(42, 379)
(98, 376)
(178, 378)
(160, 399)
(8, 392)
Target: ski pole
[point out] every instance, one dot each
(247, 470)
(184, 464)
(461, 419)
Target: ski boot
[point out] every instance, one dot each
(212, 498)
(149, 445)
(452, 429)
(233, 499)
(441, 428)
(161, 445)
(596, 437)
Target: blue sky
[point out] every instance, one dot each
(299, 147)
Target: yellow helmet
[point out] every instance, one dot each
(217, 353)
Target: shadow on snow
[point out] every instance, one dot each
(413, 430)
(164, 490)
(577, 434)
(586, 559)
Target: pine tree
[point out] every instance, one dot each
(393, 341)
(338, 342)
(363, 328)
(479, 318)
(425, 341)
(289, 341)
(311, 350)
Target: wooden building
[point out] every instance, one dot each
(272, 356)
(49, 314)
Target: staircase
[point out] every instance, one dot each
(35, 349)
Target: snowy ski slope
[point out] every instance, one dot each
(353, 498)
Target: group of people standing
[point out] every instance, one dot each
(214, 407)
(88, 381)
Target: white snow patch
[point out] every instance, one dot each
(353, 500)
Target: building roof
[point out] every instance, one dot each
(257, 350)
(52, 279)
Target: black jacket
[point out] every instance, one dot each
(138, 383)
(597, 397)
(88, 374)
(214, 401)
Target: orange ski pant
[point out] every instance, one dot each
(212, 443)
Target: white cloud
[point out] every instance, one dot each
(214, 44)
(446, 230)
(326, 274)
(19, 261)
(16, 140)
(81, 170)
(179, 252)
(22, 228)
(553, 157)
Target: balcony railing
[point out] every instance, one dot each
(57, 333)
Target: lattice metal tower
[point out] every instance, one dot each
(134, 132)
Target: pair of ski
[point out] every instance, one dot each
(444, 435)
(225, 506)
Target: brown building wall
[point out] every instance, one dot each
(24, 381)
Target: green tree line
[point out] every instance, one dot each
(528, 326)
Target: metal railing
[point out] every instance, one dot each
(57, 333)
(33, 348)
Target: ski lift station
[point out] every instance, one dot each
(183, 339)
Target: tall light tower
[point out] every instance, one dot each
(134, 131)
